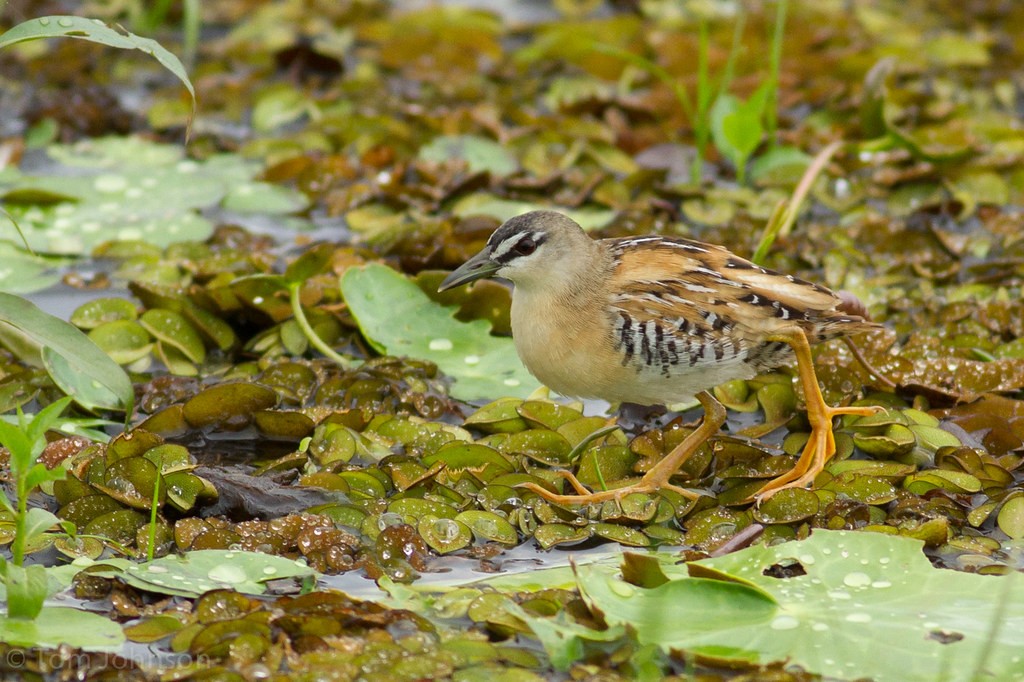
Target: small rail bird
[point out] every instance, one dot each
(658, 320)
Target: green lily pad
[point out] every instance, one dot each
(398, 319)
(228, 405)
(125, 341)
(859, 592)
(787, 506)
(1011, 517)
(196, 572)
(23, 272)
(444, 535)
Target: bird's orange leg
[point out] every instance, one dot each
(822, 444)
(659, 475)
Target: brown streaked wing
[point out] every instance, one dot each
(712, 287)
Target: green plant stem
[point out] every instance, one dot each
(151, 543)
(772, 111)
(18, 545)
(734, 50)
(311, 335)
(785, 214)
(702, 126)
(191, 22)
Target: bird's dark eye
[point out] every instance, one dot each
(525, 247)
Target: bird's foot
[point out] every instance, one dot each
(819, 449)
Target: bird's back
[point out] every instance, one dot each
(686, 316)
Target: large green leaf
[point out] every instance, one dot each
(75, 363)
(399, 319)
(868, 606)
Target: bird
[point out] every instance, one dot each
(660, 320)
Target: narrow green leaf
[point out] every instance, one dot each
(66, 26)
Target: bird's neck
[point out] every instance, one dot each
(567, 296)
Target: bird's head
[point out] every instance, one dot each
(539, 248)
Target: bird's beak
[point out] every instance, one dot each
(477, 267)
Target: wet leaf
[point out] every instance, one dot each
(65, 26)
(489, 526)
(500, 416)
(102, 311)
(57, 625)
(399, 319)
(1011, 518)
(201, 571)
(787, 506)
(125, 341)
(553, 534)
(172, 328)
(444, 535)
(228, 406)
(748, 615)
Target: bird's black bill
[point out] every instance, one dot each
(477, 267)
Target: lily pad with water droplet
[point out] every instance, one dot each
(103, 310)
(553, 534)
(171, 328)
(399, 319)
(489, 526)
(787, 506)
(1011, 517)
(444, 535)
(125, 341)
(858, 592)
(127, 189)
(500, 416)
(196, 572)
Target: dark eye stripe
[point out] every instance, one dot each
(506, 251)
